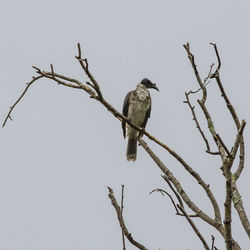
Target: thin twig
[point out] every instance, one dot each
(174, 191)
(172, 200)
(196, 121)
(85, 67)
(197, 75)
(212, 129)
(196, 230)
(213, 238)
(218, 57)
(18, 100)
(123, 239)
(58, 77)
(122, 223)
(205, 82)
(51, 76)
(208, 75)
(52, 70)
(170, 197)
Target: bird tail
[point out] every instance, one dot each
(131, 149)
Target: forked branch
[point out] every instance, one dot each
(227, 156)
(181, 211)
(121, 221)
(213, 222)
(232, 111)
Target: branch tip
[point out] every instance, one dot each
(79, 50)
(52, 70)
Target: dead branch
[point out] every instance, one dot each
(85, 66)
(232, 111)
(213, 222)
(174, 191)
(227, 157)
(21, 96)
(205, 82)
(122, 206)
(170, 197)
(212, 130)
(178, 208)
(232, 190)
(196, 230)
(197, 75)
(122, 223)
(172, 201)
(187, 101)
(216, 75)
(203, 101)
(213, 246)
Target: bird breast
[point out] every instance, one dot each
(142, 94)
(138, 106)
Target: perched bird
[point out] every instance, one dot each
(137, 108)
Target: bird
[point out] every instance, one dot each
(137, 108)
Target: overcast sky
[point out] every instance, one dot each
(62, 149)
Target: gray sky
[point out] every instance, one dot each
(63, 149)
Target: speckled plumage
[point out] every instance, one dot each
(137, 107)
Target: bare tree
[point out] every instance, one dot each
(228, 156)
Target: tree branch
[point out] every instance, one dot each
(228, 204)
(232, 111)
(212, 130)
(213, 246)
(174, 191)
(203, 100)
(18, 100)
(197, 75)
(213, 222)
(197, 124)
(121, 221)
(196, 230)
(238, 139)
(238, 204)
(224, 145)
(172, 201)
(170, 197)
(123, 239)
(85, 67)
(180, 207)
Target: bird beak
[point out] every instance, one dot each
(155, 87)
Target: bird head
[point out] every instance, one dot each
(148, 84)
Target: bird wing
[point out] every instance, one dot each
(147, 116)
(125, 111)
